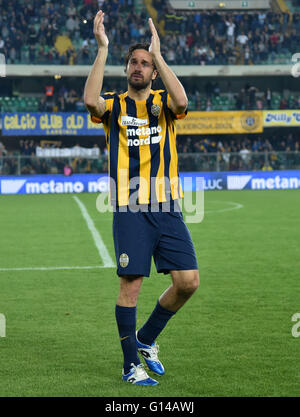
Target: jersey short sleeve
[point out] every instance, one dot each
(109, 100)
(173, 115)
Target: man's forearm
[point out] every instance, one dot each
(172, 84)
(94, 82)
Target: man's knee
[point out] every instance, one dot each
(129, 289)
(187, 282)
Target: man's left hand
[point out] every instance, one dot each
(154, 48)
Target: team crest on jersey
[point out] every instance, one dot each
(155, 109)
(124, 260)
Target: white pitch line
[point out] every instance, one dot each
(236, 206)
(103, 252)
(51, 268)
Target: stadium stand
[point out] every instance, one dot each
(61, 32)
(215, 37)
(204, 45)
(208, 95)
(53, 37)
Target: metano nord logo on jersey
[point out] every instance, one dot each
(151, 133)
(249, 121)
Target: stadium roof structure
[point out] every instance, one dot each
(180, 70)
(220, 4)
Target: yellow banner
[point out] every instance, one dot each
(281, 118)
(219, 122)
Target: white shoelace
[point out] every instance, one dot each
(139, 371)
(154, 351)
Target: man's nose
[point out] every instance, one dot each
(138, 66)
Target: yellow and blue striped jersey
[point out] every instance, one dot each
(141, 141)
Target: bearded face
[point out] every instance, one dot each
(140, 70)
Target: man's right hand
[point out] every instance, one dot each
(99, 30)
(96, 104)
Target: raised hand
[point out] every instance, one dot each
(99, 30)
(154, 48)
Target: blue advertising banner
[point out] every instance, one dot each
(191, 181)
(48, 124)
(54, 184)
(241, 180)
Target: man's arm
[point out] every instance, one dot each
(178, 98)
(94, 103)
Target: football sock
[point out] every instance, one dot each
(126, 321)
(154, 325)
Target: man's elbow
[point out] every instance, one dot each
(181, 106)
(90, 103)
(92, 107)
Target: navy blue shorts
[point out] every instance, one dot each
(141, 235)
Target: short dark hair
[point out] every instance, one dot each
(133, 48)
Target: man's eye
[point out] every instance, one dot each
(144, 64)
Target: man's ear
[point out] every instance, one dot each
(155, 75)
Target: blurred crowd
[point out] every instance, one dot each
(228, 38)
(240, 153)
(45, 32)
(62, 99)
(52, 32)
(69, 98)
(212, 153)
(208, 144)
(24, 161)
(249, 97)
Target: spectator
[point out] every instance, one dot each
(269, 99)
(247, 55)
(230, 31)
(2, 45)
(71, 100)
(71, 10)
(283, 104)
(170, 56)
(252, 96)
(12, 56)
(2, 150)
(246, 157)
(259, 104)
(242, 39)
(208, 105)
(240, 100)
(72, 24)
(68, 171)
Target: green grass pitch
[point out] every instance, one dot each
(232, 338)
